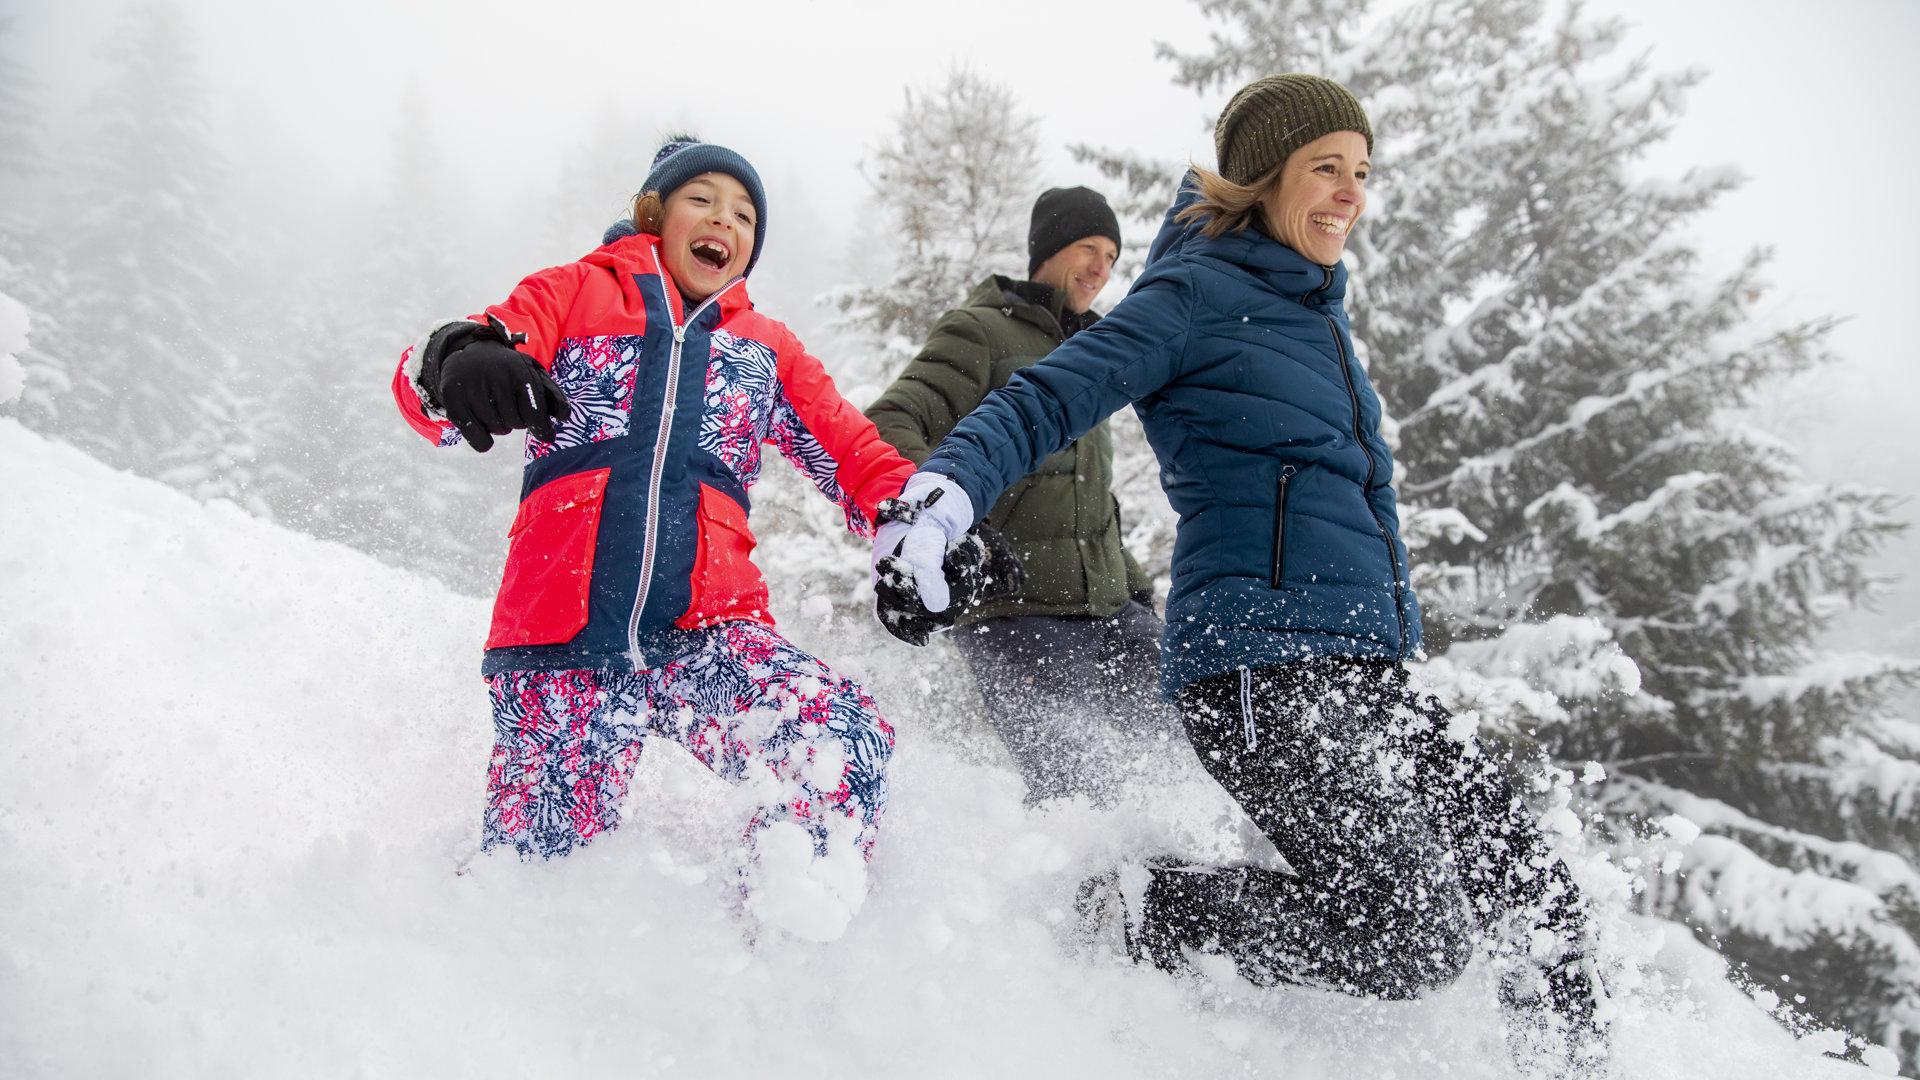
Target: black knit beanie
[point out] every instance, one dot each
(1271, 118)
(1062, 216)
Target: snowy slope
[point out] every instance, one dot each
(237, 768)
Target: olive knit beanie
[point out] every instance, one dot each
(1271, 118)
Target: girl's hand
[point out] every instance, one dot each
(489, 388)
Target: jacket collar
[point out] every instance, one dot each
(1029, 301)
(639, 253)
(1281, 268)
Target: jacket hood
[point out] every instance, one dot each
(1283, 269)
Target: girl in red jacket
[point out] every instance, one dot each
(629, 608)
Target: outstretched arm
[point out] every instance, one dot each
(1124, 357)
(829, 441)
(529, 321)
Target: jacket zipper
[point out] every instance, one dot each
(1353, 399)
(648, 537)
(1280, 526)
(1246, 709)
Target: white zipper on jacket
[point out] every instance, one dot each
(634, 654)
(1246, 708)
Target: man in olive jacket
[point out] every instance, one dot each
(1068, 667)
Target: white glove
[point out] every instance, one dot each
(941, 514)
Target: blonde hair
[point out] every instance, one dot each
(649, 212)
(1225, 206)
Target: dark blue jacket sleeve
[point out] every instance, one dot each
(1133, 351)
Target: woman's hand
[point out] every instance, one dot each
(932, 515)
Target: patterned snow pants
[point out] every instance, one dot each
(744, 701)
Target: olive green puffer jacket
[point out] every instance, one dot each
(1062, 520)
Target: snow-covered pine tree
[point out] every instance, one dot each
(1567, 379)
(28, 272)
(955, 181)
(155, 386)
(596, 184)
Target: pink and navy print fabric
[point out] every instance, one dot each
(743, 700)
(599, 375)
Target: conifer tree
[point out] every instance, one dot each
(596, 183)
(28, 272)
(149, 271)
(1565, 376)
(954, 181)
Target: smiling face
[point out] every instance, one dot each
(706, 234)
(1081, 269)
(1319, 195)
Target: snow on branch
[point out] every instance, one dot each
(1534, 668)
(13, 342)
(1862, 877)
(1832, 675)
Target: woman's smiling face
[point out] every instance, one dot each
(706, 233)
(1319, 195)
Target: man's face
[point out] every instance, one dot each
(1081, 269)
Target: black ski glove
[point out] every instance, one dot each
(487, 388)
(981, 567)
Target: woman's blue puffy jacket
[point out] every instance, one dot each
(1236, 354)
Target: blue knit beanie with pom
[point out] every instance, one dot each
(684, 157)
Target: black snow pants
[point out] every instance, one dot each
(1406, 842)
(1071, 697)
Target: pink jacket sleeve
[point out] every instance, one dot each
(831, 441)
(537, 309)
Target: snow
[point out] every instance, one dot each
(13, 341)
(238, 769)
(1831, 673)
(1876, 873)
(1531, 668)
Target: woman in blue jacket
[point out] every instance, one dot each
(1291, 613)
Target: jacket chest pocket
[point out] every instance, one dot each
(549, 574)
(1281, 487)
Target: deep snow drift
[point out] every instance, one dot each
(238, 766)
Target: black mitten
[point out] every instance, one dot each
(488, 388)
(981, 567)
(897, 604)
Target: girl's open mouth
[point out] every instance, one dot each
(711, 252)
